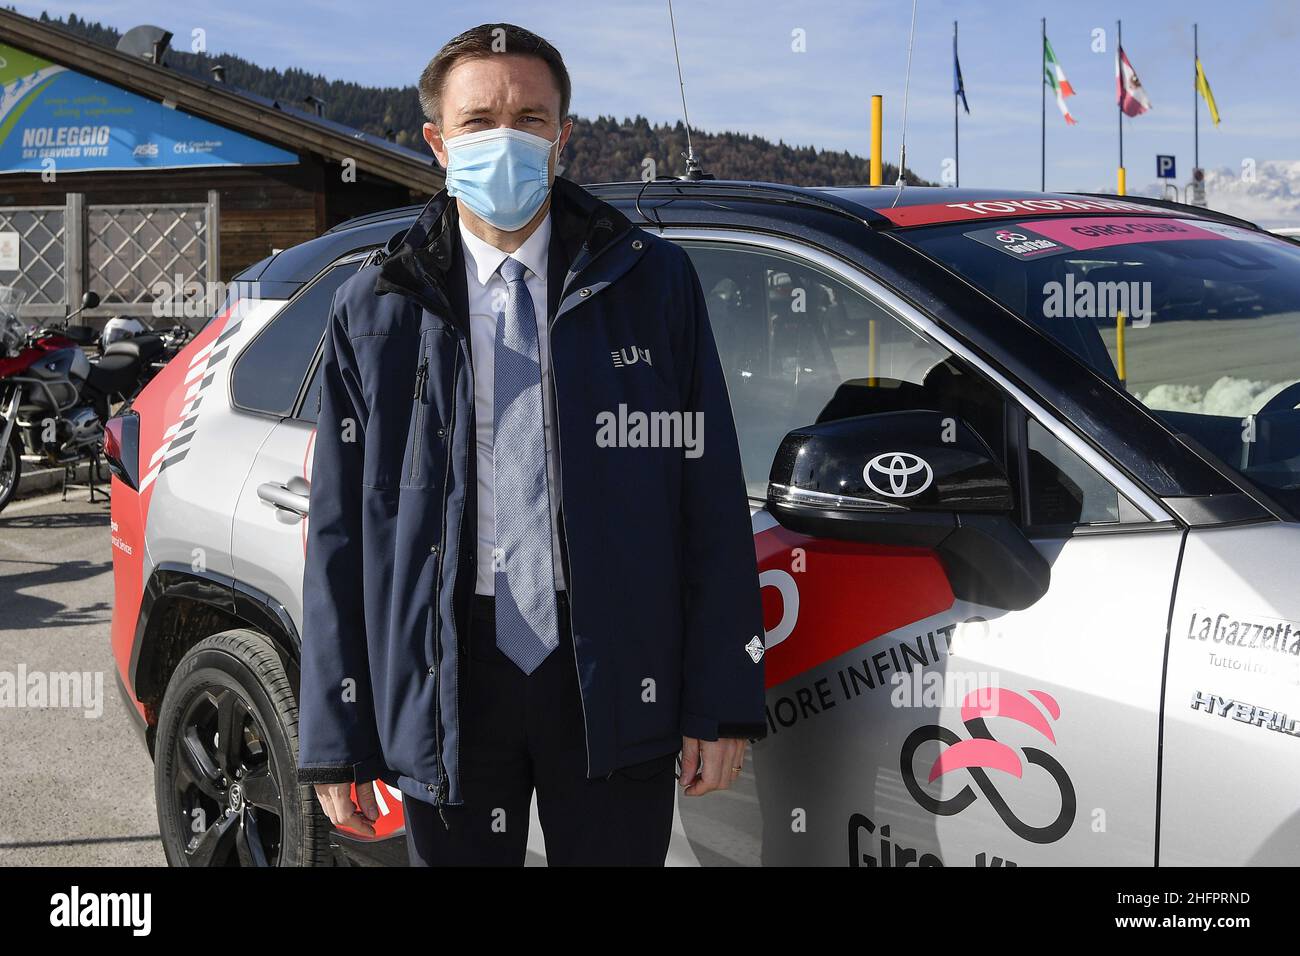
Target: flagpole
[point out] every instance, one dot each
(1119, 98)
(1196, 99)
(1042, 82)
(956, 137)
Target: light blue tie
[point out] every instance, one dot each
(521, 508)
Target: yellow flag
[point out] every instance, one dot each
(1203, 87)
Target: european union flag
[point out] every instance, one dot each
(958, 85)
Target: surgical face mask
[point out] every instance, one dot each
(502, 174)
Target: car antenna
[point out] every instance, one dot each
(694, 170)
(907, 82)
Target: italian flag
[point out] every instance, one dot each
(1054, 77)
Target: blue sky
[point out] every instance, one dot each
(741, 73)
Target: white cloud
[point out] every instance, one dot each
(1268, 194)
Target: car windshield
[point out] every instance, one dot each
(1198, 320)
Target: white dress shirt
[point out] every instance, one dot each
(487, 301)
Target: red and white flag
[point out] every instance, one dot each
(1132, 96)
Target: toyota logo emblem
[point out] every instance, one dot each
(898, 474)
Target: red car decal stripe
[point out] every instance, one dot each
(167, 411)
(823, 598)
(932, 213)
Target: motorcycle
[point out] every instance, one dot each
(54, 399)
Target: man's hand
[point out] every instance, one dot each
(336, 800)
(709, 765)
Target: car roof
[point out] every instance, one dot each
(892, 206)
(882, 207)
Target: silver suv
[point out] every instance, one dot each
(1024, 473)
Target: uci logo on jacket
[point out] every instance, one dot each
(625, 357)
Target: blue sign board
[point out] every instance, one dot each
(54, 118)
(1165, 167)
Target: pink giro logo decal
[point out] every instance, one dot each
(982, 752)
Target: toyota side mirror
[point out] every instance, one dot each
(911, 479)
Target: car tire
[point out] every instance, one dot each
(10, 461)
(237, 801)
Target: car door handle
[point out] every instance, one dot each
(291, 497)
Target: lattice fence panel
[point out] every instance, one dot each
(41, 252)
(133, 250)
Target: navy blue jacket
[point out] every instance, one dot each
(657, 548)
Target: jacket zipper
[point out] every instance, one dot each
(442, 789)
(437, 698)
(563, 536)
(443, 786)
(421, 399)
(559, 473)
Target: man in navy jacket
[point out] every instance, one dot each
(529, 566)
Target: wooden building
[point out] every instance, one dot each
(318, 174)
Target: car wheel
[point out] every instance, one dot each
(225, 761)
(11, 468)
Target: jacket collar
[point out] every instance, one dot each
(427, 261)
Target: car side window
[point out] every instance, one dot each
(1064, 492)
(309, 410)
(799, 345)
(268, 374)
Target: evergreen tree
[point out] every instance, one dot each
(601, 150)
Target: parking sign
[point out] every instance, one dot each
(1165, 167)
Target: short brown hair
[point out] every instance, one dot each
(488, 39)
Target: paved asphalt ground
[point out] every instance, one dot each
(76, 790)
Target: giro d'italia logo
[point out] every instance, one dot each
(982, 753)
(898, 474)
